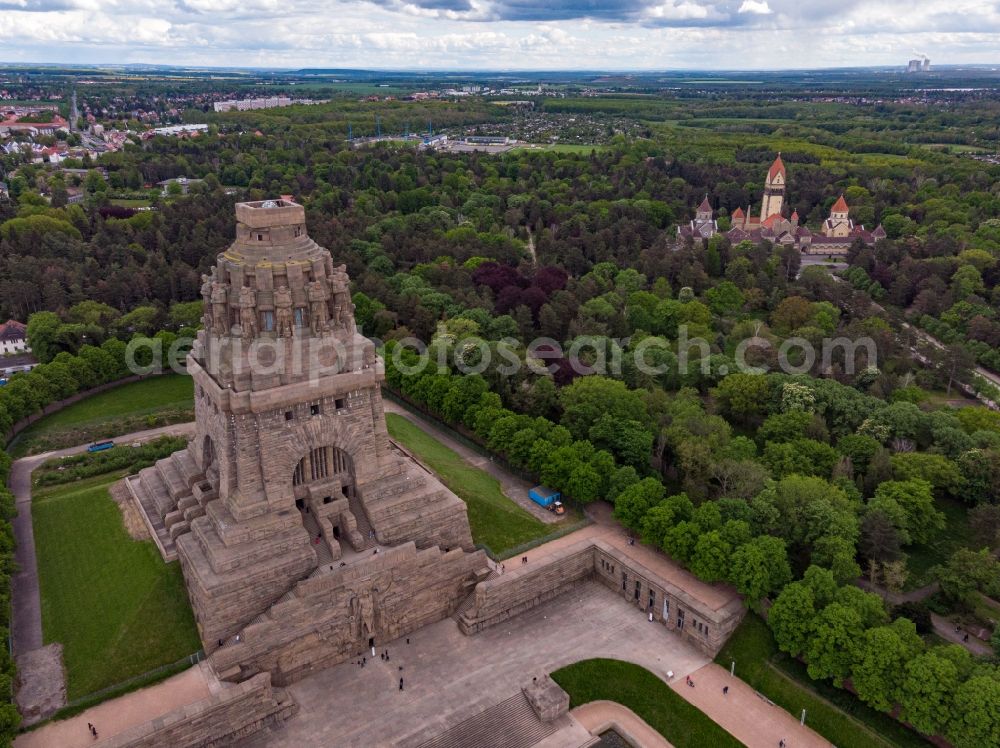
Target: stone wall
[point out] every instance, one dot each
(705, 624)
(221, 719)
(525, 587)
(330, 617)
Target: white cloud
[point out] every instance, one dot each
(757, 7)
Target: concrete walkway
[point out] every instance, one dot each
(600, 716)
(514, 487)
(117, 715)
(946, 630)
(743, 713)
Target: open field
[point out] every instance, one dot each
(137, 405)
(835, 714)
(117, 609)
(496, 520)
(684, 725)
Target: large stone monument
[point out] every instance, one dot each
(303, 533)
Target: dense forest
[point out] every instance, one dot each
(789, 487)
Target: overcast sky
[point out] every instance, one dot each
(502, 34)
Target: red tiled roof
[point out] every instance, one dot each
(795, 215)
(778, 167)
(840, 206)
(770, 220)
(738, 213)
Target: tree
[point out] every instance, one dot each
(835, 643)
(793, 312)
(975, 718)
(966, 572)
(943, 474)
(725, 299)
(743, 396)
(791, 618)
(880, 539)
(710, 559)
(984, 521)
(629, 440)
(760, 567)
(883, 655)
(633, 503)
(42, 331)
(928, 688)
(914, 496)
(587, 399)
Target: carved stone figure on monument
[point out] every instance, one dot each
(220, 307)
(340, 285)
(248, 312)
(206, 294)
(318, 311)
(363, 613)
(283, 311)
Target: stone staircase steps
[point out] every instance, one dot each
(364, 525)
(172, 478)
(186, 466)
(163, 537)
(470, 599)
(510, 724)
(323, 555)
(160, 500)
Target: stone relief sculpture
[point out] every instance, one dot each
(248, 312)
(283, 311)
(340, 284)
(207, 318)
(363, 614)
(220, 307)
(318, 311)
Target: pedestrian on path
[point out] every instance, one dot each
(781, 743)
(725, 690)
(400, 684)
(524, 559)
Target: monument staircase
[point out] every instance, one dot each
(510, 724)
(171, 493)
(405, 501)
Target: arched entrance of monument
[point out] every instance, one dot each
(330, 466)
(325, 476)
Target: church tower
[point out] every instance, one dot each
(774, 190)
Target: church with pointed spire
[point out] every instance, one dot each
(834, 237)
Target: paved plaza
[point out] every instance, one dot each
(449, 677)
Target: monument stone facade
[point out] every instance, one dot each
(279, 507)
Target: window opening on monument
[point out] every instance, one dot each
(260, 237)
(652, 599)
(267, 321)
(624, 581)
(680, 619)
(339, 403)
(638, 589)
(326, 462)
(314, 409)
(300, 316)
(289, 415)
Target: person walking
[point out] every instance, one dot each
(725, 690)
(400, 684)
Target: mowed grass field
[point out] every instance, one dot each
(683, 725)
(496, 520)
(95, 416)
(115, 606)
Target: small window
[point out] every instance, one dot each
(340, 403)
(260, 237)
(267, 321)
(314, 409)
(300, 316)
(289, 415)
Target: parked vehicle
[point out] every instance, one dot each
(547, 498)
(100, 446)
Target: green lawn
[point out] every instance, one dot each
(835, 714)
(956, 534)
(121, 410)
(114, 605)
(682, 724)
(496, 520)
